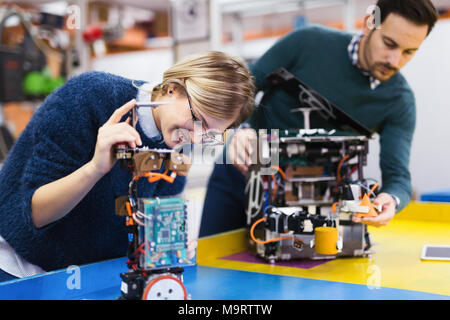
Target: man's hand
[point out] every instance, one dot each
(388, 211)
(240, 149)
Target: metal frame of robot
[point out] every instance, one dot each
(287, 228)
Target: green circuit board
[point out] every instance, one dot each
(165, 233)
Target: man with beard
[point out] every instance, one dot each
(360, 74)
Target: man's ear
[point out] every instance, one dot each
(369, 22)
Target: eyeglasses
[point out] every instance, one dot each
(208, 136)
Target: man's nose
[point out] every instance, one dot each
(394, 58)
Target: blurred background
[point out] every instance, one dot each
(44, 43)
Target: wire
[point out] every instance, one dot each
(141, 250)
(266, 241)
(141, 216)
(369, 191)
(280, 171)
(333, 206)
(371, 179)
(260, 204)
(353, 170)
(155, 176)
(128, 207)
(275, 185)
(338, 174)
(138, 221)
(373, 189)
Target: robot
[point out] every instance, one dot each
(157, 227)
(304, 207)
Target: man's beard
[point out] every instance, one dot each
(384, 68)
(377, 65)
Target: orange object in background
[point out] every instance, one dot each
(132, 39)
(365, 202)
(17, 115)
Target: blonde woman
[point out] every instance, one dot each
(59, 182)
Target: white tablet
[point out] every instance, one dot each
(435, 252)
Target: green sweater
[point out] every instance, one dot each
(319, 57)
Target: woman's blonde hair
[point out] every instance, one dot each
(217, 83)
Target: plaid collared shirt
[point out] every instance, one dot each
(374, 83)
(353, 49)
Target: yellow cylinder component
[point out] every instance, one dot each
(325, 240)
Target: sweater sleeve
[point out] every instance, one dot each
(64, 132)
(395, 147)
(57, 150)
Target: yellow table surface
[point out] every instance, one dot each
(396, 262)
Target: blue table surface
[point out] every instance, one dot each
(436, 196)
(101, 281)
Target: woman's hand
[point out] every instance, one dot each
(54, 200)
(111, 133)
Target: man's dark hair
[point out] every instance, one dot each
(421, 12)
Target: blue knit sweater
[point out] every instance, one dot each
(59, 139)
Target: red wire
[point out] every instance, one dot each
(354, 170)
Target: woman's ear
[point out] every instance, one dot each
(171, 90)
